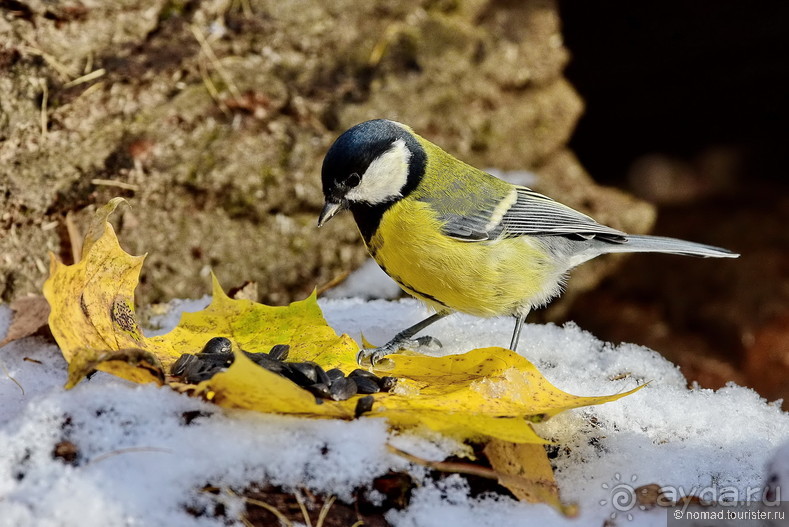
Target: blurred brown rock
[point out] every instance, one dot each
(212, 119)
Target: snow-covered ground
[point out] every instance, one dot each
(139, 461)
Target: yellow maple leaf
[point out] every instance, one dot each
(484, 394)
(92, 301)
(256, 328)
(526, 471)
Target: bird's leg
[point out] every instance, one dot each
(516, 335)
(403, 340)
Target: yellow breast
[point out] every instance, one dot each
(490, 278)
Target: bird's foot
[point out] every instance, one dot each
(374, 355)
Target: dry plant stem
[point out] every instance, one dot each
(93, 75)
(303, 508)
(113, 183)
(334, 282)
(449, 466)
(212, 58)
(75, 237)
(44, 99)
(211, 87)
(8, 374)
(325, 511)
(273, 510)
(129, 450)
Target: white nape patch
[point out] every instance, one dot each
(385, 177)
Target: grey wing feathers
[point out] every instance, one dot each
(525, 212)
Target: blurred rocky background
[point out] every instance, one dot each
(212, 117)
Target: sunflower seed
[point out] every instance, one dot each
(302, 373)
(387, 383)
(320, 390)
(279, 352)
(364, 405)
(322, 376)
(342, 389)
(334, 374)
(366, 384)
(219, 345)
(358, 372)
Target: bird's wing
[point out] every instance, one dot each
(522, 212)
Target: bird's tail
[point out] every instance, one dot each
(660, 244)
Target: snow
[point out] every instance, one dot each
(145, 452)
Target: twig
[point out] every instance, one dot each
(448, 466)
(129, 450)
(324, 511)
(44, 97)
(303, 508)
(93, 75)
(211, 87)
(334, 282)
(33, 48)
(212, 58)
(246, 8)
(379, 49)
(8, 374)
(114, 183)
(273, 510)
(75, 237)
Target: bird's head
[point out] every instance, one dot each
(373, 163)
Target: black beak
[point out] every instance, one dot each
(329, 210)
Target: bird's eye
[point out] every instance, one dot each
(353, 180)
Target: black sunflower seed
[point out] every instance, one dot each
(364, 405)
(179, 367)
(279, 352)
(358, 372)
(302, 373)
(323, 377)
(320, 390)
(264, 360)
(387, 383)
(342, 389)
(334, 374)
(366, 384)
(220, 345)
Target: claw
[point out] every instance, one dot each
(395, 345)
(429, 342)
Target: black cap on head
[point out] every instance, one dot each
(348, 161)
(353, 152)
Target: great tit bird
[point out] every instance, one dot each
(458, 238)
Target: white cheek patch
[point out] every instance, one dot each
(385, 177)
